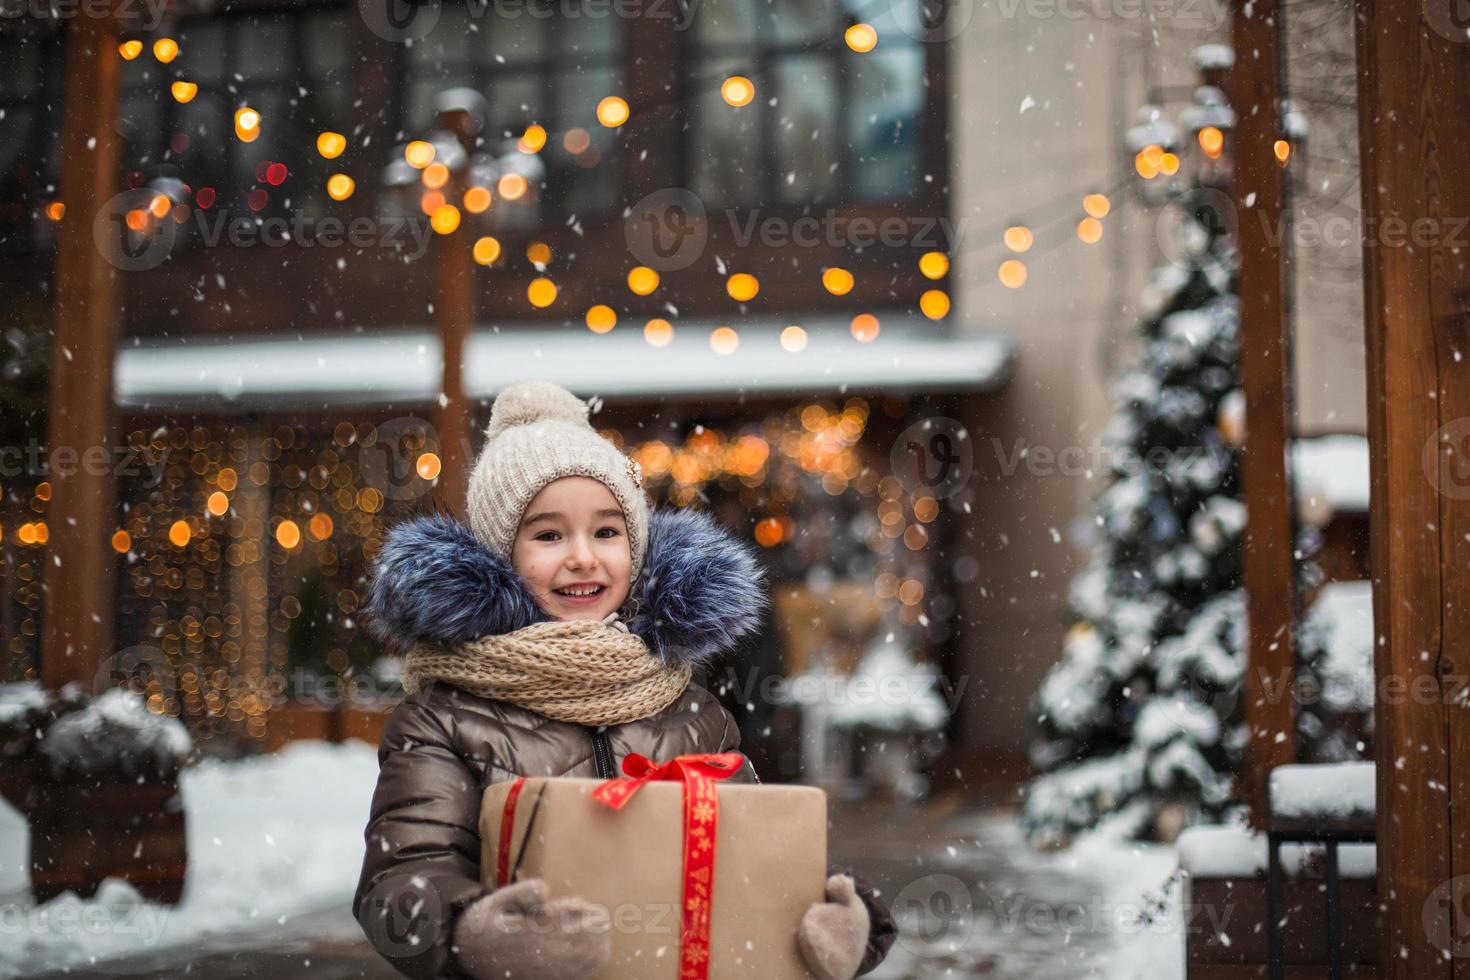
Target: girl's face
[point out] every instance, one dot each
(573, 538)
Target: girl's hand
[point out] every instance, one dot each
(833, 934)
(515, 933)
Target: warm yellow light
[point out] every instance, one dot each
(1013, 273)
(130, 49)
(331, 145)
(1169, 164)
(837, 281)
(1018, 238)
(431, 201)
(288, 535)
(539, 253)
(601, 318)
(137, 219)
(934, 304)
(864, 327)
(179, 533)
(793, 339)
(724, 340)
(1097, 205)
(768, 532)
(1147, 166)
(737, 90)
(43, 490)
(541, 292)
(247, 124)
(1090, 230)
(487, 250)
(160, 206)
(477, 200)
(512, 187)
(218, 503)
(1283, 151)
(340, 187)
(658, 332)
(56, 210)
(934, 265)
(26, 533)
(165, 49)
(435, 175)
(428, 466)
(612, 112)
(183, 91)
(642, 280)
(742, 287)
(861, 38)
(227, 479)
(42, 532)
(445, 219)
(533, 139)
(419, 154)
(320, 527)
(1211, 141)
(122, 542)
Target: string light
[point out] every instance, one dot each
(541, 292)
(861, 38)
(1097, 205)
(183, 92)
(737, 90)
(642, 280)
(658, 332)
(1283, 152)
(512, 186)
(477, 200)
(934, 265)
(533, 139)
(612, 112)
(601, 318)
(742, 287)
(724, 340)
(340, 187)
(428, 466)
(56, 210)
(1013, 273)
(445, 219)
(934, 304)
(419, 154)
(331, 145)
(1090, 230)
(864, 327)
(1211, 141)
(486, 250)
(793, 339)
(247, 124)
(130, 49)
(539, 254)
(837, 281)
(165, 49)
(1018, 238)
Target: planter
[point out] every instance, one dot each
(84, 829)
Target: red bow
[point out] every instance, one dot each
(699, 773)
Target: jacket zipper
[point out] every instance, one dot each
(602, 754)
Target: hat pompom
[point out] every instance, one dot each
(532, 401)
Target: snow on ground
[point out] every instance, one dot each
(987, 905)
(270, 838)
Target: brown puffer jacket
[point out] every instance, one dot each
(439, 751)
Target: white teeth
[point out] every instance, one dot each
(580, 592)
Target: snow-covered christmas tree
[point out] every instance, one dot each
(1141, 718)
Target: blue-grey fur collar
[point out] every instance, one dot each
(700, 591)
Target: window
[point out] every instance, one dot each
(30, 133)
(534, 63)
(827, 124)
(293, 67)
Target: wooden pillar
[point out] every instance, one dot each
(456, 314)
(1414, 127)
(80, 570)
(1265, 367)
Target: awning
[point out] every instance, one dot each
(908, 355)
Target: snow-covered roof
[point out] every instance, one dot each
(1334, 791)
(1234, 851)
(1336, 467)
(314, 370)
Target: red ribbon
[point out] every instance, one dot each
(698, 773)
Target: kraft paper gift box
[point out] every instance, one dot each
(770, 866)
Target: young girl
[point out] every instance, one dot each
(552, 637)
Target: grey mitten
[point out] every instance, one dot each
(834, 934)
(515, 933)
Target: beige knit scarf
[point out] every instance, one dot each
(588, 672)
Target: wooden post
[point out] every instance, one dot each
(1265, 367)
(456, 313)
(79, 575)
(1414, 127)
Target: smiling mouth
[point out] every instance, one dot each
(581, 595)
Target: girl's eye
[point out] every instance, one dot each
(543, 535)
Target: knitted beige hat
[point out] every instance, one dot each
(539, 432)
